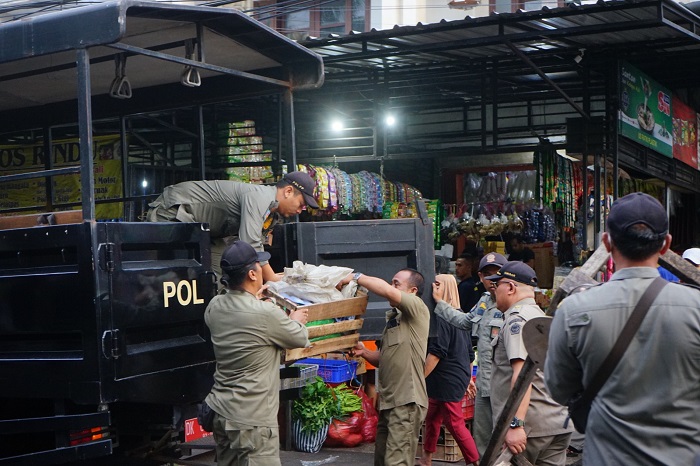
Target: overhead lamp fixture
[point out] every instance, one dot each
(579, 57)
(390, 120)
(144, 183)
(337, 125)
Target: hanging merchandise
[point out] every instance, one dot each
(560, 185)
(360, 195)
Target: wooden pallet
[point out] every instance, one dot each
(349, 329)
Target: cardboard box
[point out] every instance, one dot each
(345, 333)
(544, 263)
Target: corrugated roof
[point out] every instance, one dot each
(653, 26)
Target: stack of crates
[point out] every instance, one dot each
(447, 448)
(333, 370)
(468, 407)
(306, 373)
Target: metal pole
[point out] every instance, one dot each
(48, 165)
(201, 150)
(87, 179)
(124, 146)
(291, 130)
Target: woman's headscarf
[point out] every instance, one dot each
(450, 292)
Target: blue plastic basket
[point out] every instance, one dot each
(333, 370)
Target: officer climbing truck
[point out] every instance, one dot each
(103, 348)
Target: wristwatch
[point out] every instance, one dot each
(515, 423)
(356, 276)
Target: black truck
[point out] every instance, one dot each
(103, 347)
(104, 354)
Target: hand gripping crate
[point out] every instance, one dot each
(447, 448)
(339, 335)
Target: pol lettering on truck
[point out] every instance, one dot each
(185, 293)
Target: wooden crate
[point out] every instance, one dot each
(349, 330)
(447, 450)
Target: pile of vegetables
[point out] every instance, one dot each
(317, 405)
(352, 417)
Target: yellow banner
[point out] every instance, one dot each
(107, 167)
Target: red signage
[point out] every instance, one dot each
(685, 133)
(194, 431)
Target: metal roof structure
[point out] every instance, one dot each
(508, 80)
(128, 56)
(646, 30)
(155, 42)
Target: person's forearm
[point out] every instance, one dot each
(431, 361)
(269, 274)
(380, 288)
(453, 316)
(517, 365)
(372, 357)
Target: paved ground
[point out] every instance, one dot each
(360, 455)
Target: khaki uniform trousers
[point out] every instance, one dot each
(397, 435)
(482, 423)
(257, 446)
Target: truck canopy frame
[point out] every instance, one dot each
(145, 55)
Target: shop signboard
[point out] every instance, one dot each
(23, 158)
(697, 127)
(685, 139)
(645, 111)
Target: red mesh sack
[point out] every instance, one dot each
(369, 418)
(346, 432)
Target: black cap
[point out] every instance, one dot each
(492, 258)
(304, 183)
(638, 208)
(239, 255)
(516, 271)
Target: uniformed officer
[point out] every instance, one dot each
(646, 412)
(485, 321)
(248, 336)
(403, 399)
(235, 210)
(537, 431)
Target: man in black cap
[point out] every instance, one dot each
(647, 410)
(248, 337)
(235, 210)
(537, 431)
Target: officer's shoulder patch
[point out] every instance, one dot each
(580, 320)
(515, 328)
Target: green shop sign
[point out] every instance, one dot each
(645, 111)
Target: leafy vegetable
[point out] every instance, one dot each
(320, 403)
(348, 401)
(317, 406)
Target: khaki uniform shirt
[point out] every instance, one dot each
(231, 208)
(402, 354)
(648, 411)
(248, 337)
(545, 417)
